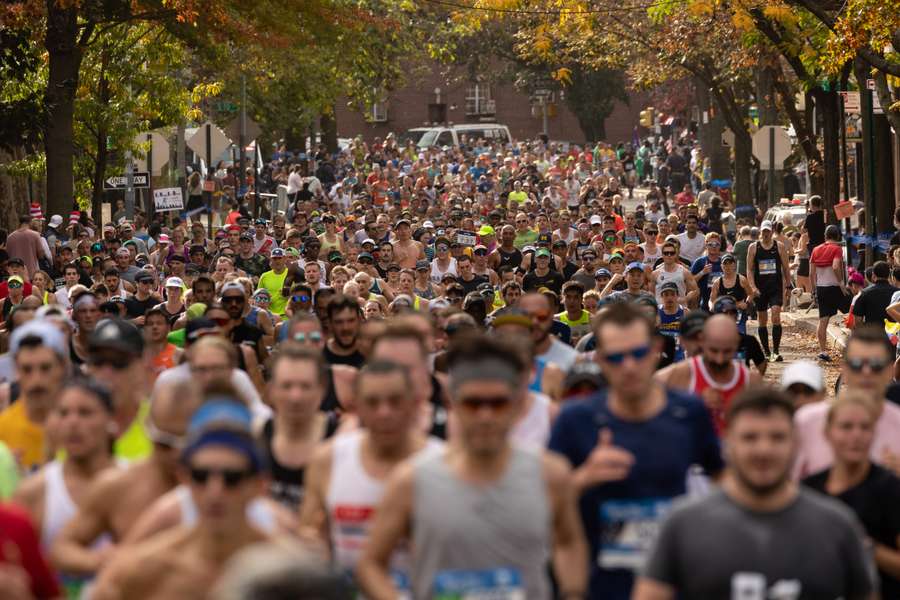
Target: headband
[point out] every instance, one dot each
(83, 300)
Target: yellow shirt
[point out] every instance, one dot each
(134, 444)
(24, 438)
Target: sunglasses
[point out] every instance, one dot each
(442, 248)
(300, 298)
(541, 316)
(617, 358)
(313, 336)
(119, 363)
(14, 285)
(365, 261)
(480, 253)
(232, 299)
(876, 365)
(670, 253)
(231, 478)
(712, 245)
(651, 232)
(497, 404)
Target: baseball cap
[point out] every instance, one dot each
(44, 330)
(693, 322)
(602, 273)
(197, 328)
(363, 255)
(163, 239)
(542, 252)
(857, 278)
(231, 286)
(143, 277)
(728, 258)
(805, 372)
(428, 225)
(616, 256)
(724, 304)
(246, 237)
(277, 253)
(334, 255)
(588, 252)
(635, 265)
(669, 286)
(116, 334)
(486, 230)
(402, 222)
(177, 257)
(596, 220)
(174, 282)
(544, 239)
(765, 225)
(367, 241)
(56, 221)
(648, 301)
(559, 244)
(422, 265)
(123, 252)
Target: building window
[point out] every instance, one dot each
(379, 112)
(479, 100)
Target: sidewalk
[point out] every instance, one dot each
(809, 321)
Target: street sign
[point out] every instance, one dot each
(219, 142)
(851, 102)
(118, 182)
(876, 101)
(233, 130)
(159, 146)
(165, 199)
(762, 145)
(728, 138)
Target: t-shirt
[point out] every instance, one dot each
(524, 238)
(815, 228)
(619, 517)
(18, 537)
(813, 450)
(472, 284)
(713, 548)
(874, 500)
(872, 302)
(129, 273)
(135, 308)
(560, 354)
(272, 281)
(740, 255)
(692, 248)
(823, 257)
(23, 437)
(706, 282)
(25, 244)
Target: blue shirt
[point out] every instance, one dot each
(615, 514)
(706, 282)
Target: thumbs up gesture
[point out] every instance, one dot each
(606, 462)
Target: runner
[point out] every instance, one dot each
(827, 276)
(769, 276)
(632, 446)
(457, 551)
(759, 536)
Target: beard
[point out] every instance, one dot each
(757, 489)
(716, 367)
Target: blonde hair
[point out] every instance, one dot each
(850, 397)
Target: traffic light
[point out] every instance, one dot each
(646, 117)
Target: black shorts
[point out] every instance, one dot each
(803, 268)
(769, 295)
(831, 300)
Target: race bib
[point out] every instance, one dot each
(767, 266)
(628, 529)
(491, 584)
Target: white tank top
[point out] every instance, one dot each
(662, 276)
(533, 429)
(437, 274)
(259, 514)
(58, 505)
(352, 497)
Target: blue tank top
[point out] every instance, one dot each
(537, 382)
(670, 326)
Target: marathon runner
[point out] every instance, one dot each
(769, 275)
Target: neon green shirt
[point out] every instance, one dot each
(518, 197)
(9, 472)
(272, 281)
(134, 445)
(529, 236)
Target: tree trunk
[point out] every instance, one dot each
(884, 175)
(805, 136)
(329, 130)
(13, 192)
(832, 120)
(710, 134)
(64, 62)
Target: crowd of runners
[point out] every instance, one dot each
(450, 373)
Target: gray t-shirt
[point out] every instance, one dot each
(713, 548)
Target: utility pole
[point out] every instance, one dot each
(869, 168)
(129, 178)
(242, 138)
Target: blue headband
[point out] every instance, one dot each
(234, 440)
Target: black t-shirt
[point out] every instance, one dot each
(135, 308)
(471, 285)
(245, 333)
(750, 351)
(873, 300)
(815, 228)
(569, 269)
(552, 280)
(875, 500)
(354, 360)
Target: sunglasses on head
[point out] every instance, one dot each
(497, 404)
(231, 478)
(617, 358)
(876, 365)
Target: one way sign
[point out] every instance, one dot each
(117, 182)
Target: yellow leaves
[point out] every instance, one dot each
(701, 8)
(563, 75)
(742, 21)
(780, 13)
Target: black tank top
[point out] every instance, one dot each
(286, 486)
(330, 403)
(514, 258)
(439, 411)
(767, 265)
(736, 291)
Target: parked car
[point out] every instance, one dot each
(451, 135)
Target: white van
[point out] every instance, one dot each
(426, 137)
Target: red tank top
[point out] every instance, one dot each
(701, 380)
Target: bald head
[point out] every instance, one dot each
(721, 328)
(720, 343)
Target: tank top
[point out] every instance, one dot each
(736, 291)
(663, 276)
(327, 246)
(252, 317)
(533, 429)
(492, 541)
(351, 500)
(537, 382)
(437, 273)
(701, 380)
(670, 326)
(767, 265)
(59, 508)
(513, 259)
(286, 485)
(427, 293)
(259, 514)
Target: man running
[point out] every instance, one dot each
(760, 536)
(502, 509)
(769, 275)
(716, 375)
(347, 476)
(632, 447)
(224, 468)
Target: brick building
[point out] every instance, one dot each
(468, 102)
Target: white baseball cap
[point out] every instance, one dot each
(55, 221)
(174, 282)
(596, 220)
(765, 225)
(805, 372)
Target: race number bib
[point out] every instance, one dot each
(628, 529)
(767, 266)
(491, 584)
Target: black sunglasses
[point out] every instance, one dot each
(232, 299)
(119, 363)
(876, 365)
(496, 404)
(231, 478)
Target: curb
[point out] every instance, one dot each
(836, 334)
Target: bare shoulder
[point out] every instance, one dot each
(136, 572)
(675, 375)
(31, 490)
(556, 469)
